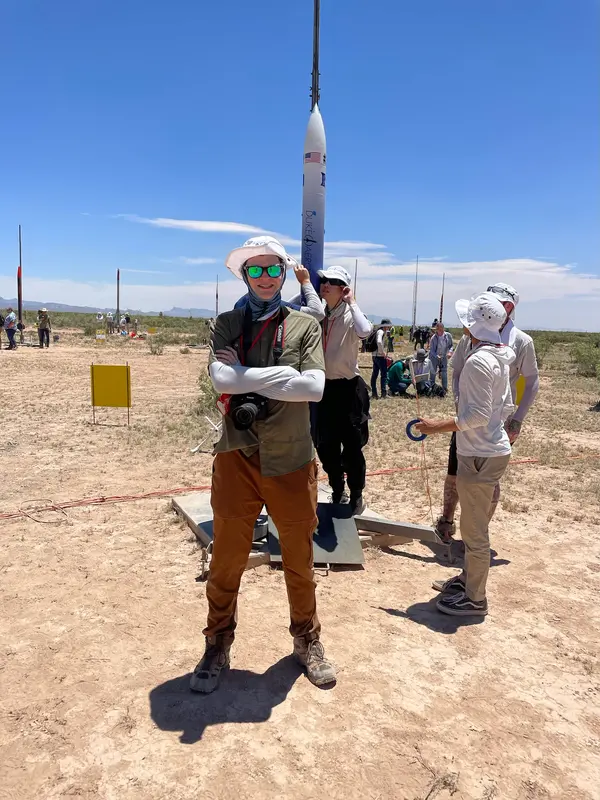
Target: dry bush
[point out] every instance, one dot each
(156, 345)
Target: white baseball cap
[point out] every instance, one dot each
(506, 294)
(483, 315)
(257, 246)
(335, 272)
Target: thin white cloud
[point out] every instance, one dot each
(207, 226)
(145, 271)
(201, 260)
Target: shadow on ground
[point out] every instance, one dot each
(427, 614)
(440, 555)
(242, 696)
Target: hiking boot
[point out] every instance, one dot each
(340, 497)
(311, 655)
(207, 674)
(459, 605)
(445, 529)
(357, 504)
(450, 586)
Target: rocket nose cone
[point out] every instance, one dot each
(315, 131)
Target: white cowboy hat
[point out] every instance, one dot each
(257, 246)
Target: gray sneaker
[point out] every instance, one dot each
(459, 605)
(311, 655)
(207, 674)
(450, 585)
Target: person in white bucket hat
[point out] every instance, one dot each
(483, 447)
(307, 301)
(266, 362)
(524, 367)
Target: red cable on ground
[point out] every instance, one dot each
(97, 501)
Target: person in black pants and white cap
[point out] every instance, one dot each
(342, 415)
(380, 360)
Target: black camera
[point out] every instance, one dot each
(245, 409)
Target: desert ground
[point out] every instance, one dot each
(102, 616)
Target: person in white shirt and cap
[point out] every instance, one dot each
(380, 361)
(342, 427)
(524, 365)
(483, 447)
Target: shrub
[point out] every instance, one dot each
(156, 345)
(207, 398)
(587, 358)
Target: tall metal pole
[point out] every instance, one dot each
(442, 298)
(118, 300)
(20, 290)
(315, 93)
(217, 299)
(415, 292)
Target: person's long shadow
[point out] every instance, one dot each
(428, 615)
(439, 555)
(242, 696)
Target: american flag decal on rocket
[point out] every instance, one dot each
(313, 158)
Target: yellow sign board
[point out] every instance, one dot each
(101, 335)
(111, 385)
(152, 330)
(520, 387)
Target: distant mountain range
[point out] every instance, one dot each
(34, 305)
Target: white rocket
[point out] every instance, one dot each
(313, 179)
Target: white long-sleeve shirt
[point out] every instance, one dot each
(343, 329)
(525, 364)
(276, 383)
(314, 304)
(484, 402)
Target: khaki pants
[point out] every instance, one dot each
(475, 483)
(239, 491)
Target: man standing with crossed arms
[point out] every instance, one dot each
(266, 357)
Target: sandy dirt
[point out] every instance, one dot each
(101, 615)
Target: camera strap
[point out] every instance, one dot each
(247, 343)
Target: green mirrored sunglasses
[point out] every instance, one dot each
(273, 271)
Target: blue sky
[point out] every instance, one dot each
(462, 130)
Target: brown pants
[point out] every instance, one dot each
(475, 483)
(239, 491)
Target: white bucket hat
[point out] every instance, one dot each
(483, 315)
(336, 272)
(506, 294)
(257, 246)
